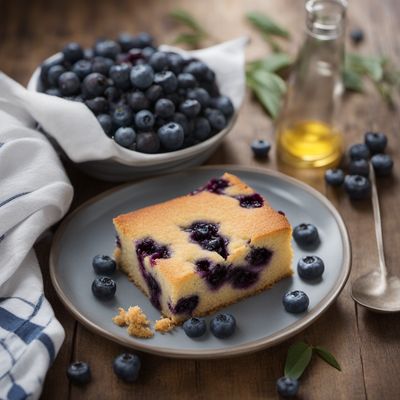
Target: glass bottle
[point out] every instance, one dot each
(307, 131)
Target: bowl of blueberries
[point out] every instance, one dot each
(156, 110)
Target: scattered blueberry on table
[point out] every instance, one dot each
(287, 387)
(357, 35)
(357, 187)
(382, 163)
(295, 301)
(127, 366)
(334, 176)
(359, 167)
(359, 151)
(310, 267)
(223, 326)
(375, 141)
(104, 288)
(194, 327)
(260, 148)
(79, 373)
(164, 102)
(104, 265)
(306, 235)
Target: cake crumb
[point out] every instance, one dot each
(136, 321)
(164, 325)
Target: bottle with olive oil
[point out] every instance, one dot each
(307, 128)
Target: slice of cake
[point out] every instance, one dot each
(195, 254)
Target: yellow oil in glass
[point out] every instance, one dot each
(310, 144)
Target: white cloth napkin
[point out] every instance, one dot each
(76, 129)
(34, 194)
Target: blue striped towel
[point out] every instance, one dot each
(34, 194)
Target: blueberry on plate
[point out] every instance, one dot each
(79, 373)
(167, 80)
(68, 83)
(195, 327)
(223, 326)
(147, 142)
(190, 108)
(357, 187)
(310, 267)
(260, 148)
(164, 108)
(104, 288)
(295, 301)
(334, 176)
(72, 52)
(125, 136)
(287, 387)
(305, 235)
(94, 85)
(127, 366)
(142, 76)
(144, 120)
(359, 167)
(359, 151)
(105, 121)
(376, 142)
(356, 35)
(382, 163)
(223, 104)
(171, 136)
(103, 265)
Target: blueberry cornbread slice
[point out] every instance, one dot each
(197, 253)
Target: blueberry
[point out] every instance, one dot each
(147, 52)
(376, 142)
(122, 116)
(54, 73)
(202, 129)
(181, 119)
(185, 305)
(223, 325)
(127, 366)
(88, 54)
(82, 68)
(171, 136)
(79, 373)
(145, 39)
(217, 120)
(198, 69)
(98, 105)
(310, 267)
(164, 108)
(186, 81)
(260, 148)
(159, 61)
(104, 265)
(190, 108)
(120, 74)
(125, 136)
(195, 327)
(153, 93)
(53, 92)
(259, 256)
(105, 121)
(68, 83)
(142, 76)
(102, 65)
(201, 95)
(127, 42)
(94, 85)
(359, 151)
(138, 101)
(107, 48)
(167, 80)
(357, 187)
(217, 276)
(251, 201)
(223, 104)
(147, 142)
(305, 235)
(356, 35)
(295, 302)
(144, 120)
(47, 64)
(72, 52)
(112, 94)
(334, 177)
(175, 62)
(243, 278)
(287, 387)
(104, 288)
(382, 163)
(359, 167)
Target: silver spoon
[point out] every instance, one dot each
(377, 290)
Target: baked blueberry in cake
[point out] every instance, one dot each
(197, 253)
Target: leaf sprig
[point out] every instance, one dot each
(195, 35)
(299, 357)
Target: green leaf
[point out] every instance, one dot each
(273, 44)
(299, 356)
(188, 20)
(352, 81)
(365, 65)
(273, 63)
(191, 39)
(266, 25)
(327, 357)
(269, 89)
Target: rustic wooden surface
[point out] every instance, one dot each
(366, 344)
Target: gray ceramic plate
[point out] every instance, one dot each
(262, 321)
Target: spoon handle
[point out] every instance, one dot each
(377, 221)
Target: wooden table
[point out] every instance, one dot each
(367, 345)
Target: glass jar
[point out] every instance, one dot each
(307, 128)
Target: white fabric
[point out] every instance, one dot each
(34, 194)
